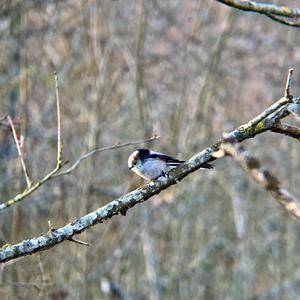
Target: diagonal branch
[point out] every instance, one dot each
(283, 20)
(288, 98)
(286, 129)
(275, 12)
(263, 8)
(122, 204)
(263, 177)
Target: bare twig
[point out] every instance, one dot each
(59, 163)
(288, 98)
(3, 121)
(32, 187)
(98, 150)
(288, 93)
(79, 242)
(274, 107)
(263, 177)
(50, 227)
(54, 173)
(59, 145)
(13, 130)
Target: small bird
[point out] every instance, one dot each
(150, 164)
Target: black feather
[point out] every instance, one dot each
(169, 159)
(143, 153)
(206, 166)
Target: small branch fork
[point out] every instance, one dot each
(263, 177)
(264, 122)
(288, 98)
(99, 150)
(31, 187)
(13, 130)
(282, 14)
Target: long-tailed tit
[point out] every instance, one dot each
(150, 164)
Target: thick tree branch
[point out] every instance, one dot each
(263, 177)
(283, 20)
(122, 204)
(264, 122)
(275, 12)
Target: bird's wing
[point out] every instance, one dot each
(171, 161)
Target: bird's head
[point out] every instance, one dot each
(137, 155)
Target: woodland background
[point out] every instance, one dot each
(191, 70)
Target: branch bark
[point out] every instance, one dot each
(267, 120)
(263, 177)
(275, 12)
(122, 204)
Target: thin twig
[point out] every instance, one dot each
(59, 145)
(59, 164)
(278, 104)
(5, 123)
(2, 120)
(288, 92)
(98, 150)
(51, 175)
(32, 187)
(11, 124)
(79, 242)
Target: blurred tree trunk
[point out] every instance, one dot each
(9, 148)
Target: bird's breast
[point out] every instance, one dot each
(150, 169)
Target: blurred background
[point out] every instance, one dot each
(190, 70)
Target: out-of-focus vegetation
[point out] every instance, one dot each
(190, 69)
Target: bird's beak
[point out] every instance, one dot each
(130, 167)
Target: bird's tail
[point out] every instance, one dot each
(206, 166)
